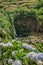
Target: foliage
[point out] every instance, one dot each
(20, 53)
(5, 27)
(39, 46)
(40, 4)
(24, 14)
(10, 13)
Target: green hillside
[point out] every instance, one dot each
(12, 11)
(21, 32)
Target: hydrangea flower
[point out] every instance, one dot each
(10, 61)
(13, 53)
(17, 62)
(33, 56)
(27, 46)
(40, 56)
(9, 44)
(1, 44)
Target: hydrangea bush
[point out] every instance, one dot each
(18, 53)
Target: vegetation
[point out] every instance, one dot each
(19, 53)
(19, 20)
(5, 28)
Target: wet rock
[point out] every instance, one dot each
(27, 46)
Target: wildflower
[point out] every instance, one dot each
(1, 44)
(13, 53)
(29, 47)
(10, 61)
(9, 44)
(33, 56)
(17, 62)
(40, 56)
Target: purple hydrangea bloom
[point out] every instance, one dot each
(10, 61)
(9, 44)
(40, 56)
(27, 46)
(17, 62)
(33, 56)
(1, 44)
